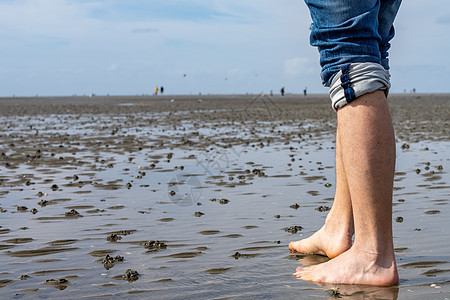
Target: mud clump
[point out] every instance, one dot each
(155, 245)
(131, 275)
(258, 173)
(295, 206)
(109, 261)
(72, 214)
(334, 293)
(198, 214)
(57, 281)
(60, 283)
(224, 201)
(323, 208)
(113, 237)
(293, 229)
(43, 203)
(22, 208)
(238, 255)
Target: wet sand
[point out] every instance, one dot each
(198, 196)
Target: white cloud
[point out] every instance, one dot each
(297, 66)
(113, 67)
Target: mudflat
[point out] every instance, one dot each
(198, 196)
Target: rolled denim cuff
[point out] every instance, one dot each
(357, 79)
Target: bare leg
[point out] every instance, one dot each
(368, 154)
(335, 237)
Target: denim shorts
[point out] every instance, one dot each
(353, 37)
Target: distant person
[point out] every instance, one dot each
(305, 91)
(282, 91)
(353, 38)
(156, 90)
(161, 90)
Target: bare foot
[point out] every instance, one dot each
(354, 267)
(330, 241)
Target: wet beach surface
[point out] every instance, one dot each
(198, 196)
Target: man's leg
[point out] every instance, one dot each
(367, 143)
(335, 237)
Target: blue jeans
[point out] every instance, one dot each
(353, 37)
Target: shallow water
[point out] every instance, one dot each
(140, 178)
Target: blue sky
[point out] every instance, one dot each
(62, 47)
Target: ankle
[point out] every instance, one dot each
(378, 254)
(338, 225)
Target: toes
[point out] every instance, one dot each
(298, 271)
(290, 246)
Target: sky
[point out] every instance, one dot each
(116, 47)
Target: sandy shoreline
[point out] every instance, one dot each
(200, 195)
(409, 111)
